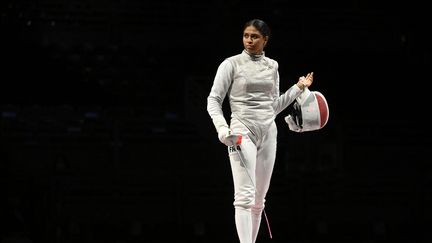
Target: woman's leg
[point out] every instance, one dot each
(266, 157)
(243, 159)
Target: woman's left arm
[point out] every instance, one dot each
(280, 102)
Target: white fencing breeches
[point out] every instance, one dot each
(251, 176)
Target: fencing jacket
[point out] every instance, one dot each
(252, 85)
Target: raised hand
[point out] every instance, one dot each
(305, 81)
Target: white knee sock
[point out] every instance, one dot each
(243, 220)
(256, 221)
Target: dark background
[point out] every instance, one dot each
(105, 137)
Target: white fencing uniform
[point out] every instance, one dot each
(251, 83)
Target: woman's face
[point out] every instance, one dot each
(253, 40)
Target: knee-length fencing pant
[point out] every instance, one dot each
(251, 176)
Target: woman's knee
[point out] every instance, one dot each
(244, 202)
(257, 208)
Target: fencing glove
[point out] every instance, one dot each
(225, 136)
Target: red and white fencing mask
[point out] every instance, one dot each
(310, 112)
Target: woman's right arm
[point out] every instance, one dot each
(221, 85)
